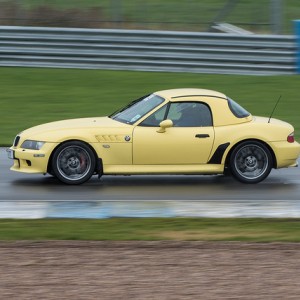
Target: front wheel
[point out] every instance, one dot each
(73, 162)
(251, 162)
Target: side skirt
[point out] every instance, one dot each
(163, 169)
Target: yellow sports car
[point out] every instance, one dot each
(179, 131)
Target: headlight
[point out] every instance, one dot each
(33, 145)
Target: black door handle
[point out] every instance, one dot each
(202, 136)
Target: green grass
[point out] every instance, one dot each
(31, 96)
(195, 229)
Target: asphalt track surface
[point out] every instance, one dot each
(282, 184)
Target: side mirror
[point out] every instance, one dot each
(163, 125)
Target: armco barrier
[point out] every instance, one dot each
(147, 50)
(297, 32)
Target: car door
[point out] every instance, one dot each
(188, 141)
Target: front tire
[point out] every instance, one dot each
(73, 162)
(251, 162)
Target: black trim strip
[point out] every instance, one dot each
(218, 155)
(184, 96)
(99, 167)
(16, 141)
(167, 110)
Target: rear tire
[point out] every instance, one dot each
(73, 162)
(251, 162)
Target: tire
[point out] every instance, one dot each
(73, 162)
(251, 162)
(51, 174)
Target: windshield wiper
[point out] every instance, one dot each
(127, 106)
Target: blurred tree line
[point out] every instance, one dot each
(193, 15)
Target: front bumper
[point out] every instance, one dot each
(31, 161)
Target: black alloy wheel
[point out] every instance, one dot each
(73, 162)
(251, 162)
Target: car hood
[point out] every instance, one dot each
(74, 124)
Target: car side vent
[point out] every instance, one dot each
(16, 141)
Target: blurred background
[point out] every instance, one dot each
(264, 16)
(50, 74)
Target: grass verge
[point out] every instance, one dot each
(153, 229)
(31, 96)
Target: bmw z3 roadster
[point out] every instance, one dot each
(179, 131)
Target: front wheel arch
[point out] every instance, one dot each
(49, 168)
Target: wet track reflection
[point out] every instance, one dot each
(282, 184)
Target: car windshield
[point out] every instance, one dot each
(137, 109)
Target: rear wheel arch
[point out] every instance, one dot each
(227, 160)
(250, 161)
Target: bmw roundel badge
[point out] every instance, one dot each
(127, 138)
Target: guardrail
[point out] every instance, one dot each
(297, 31)
(147, 50)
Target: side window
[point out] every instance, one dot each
(190, 114)
(183, 114)
(154, 119)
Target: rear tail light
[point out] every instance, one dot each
(291, 138)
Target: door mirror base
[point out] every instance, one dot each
(164, 124)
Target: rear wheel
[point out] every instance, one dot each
(251, 162)
(73, 162)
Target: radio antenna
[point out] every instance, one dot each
(274, 108)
